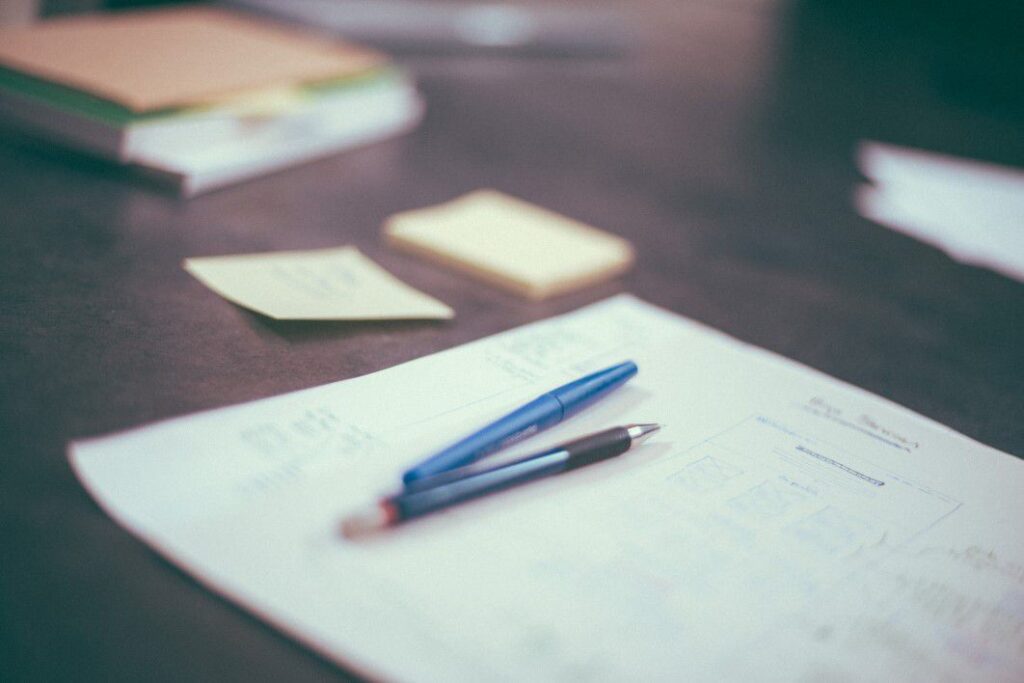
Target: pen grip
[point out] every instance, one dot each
(597, 447)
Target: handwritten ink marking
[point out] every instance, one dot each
(870, 423)
(845, 468)
(863, 424)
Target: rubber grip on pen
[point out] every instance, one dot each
(597, 447)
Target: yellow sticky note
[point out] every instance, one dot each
(511, 243)
(322, 284)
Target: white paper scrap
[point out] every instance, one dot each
(971, 210)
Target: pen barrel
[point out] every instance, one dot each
(597, 447)
(577, 395)
(539, 414)
(521, 423)
(416, 503)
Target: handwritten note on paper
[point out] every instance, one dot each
(783, 526)
(324, 284)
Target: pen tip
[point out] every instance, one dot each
(638, 432)
(371, 518)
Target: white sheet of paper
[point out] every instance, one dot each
(971, 210)
(322, 284)
(782, 526)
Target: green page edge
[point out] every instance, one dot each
(83, 104)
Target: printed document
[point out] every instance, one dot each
(782, 526)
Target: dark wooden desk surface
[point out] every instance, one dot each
(722, 149)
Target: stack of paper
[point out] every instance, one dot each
(200, 97)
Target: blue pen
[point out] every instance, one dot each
(544, 411)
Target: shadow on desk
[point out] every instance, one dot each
(947, 78)
(300, 331)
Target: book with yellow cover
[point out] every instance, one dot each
(202, 96)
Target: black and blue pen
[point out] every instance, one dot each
(447, 489)
(445, 478)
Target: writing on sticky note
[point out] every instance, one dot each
(511, 243)
(322, 284)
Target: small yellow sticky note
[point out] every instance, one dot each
(323, 284)
(511, 243)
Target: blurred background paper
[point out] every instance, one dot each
(511, 243)
(323, 284)
(18, 12)
(971, 210)
(549, 29)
